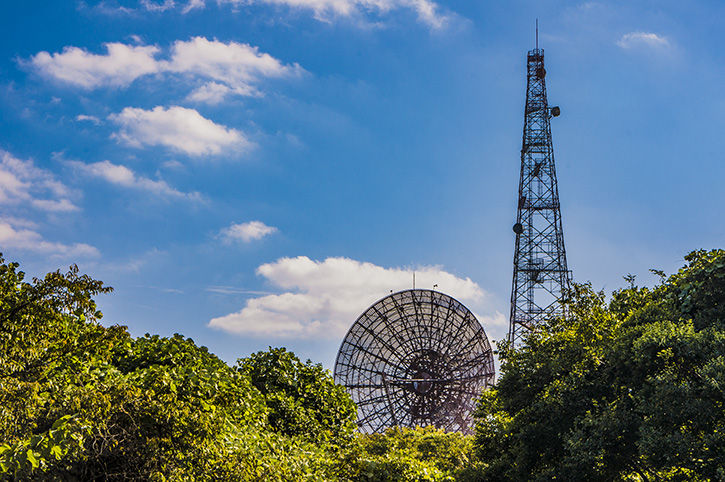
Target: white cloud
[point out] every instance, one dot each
(236, 66)
(193, 4)
(88, 118)
(24, 239)
(12, 188)
(642, 39)
(323, 298)
(121, 65)
(19, 222)
(22, 182)
(246, 232)
(172, 164)
(210, 93)
(427, 10)
(125, 177)
(53, 205)
(229, 68)
(157, 7)
(178, 128)
(107, 7)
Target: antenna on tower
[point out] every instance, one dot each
(541, 276)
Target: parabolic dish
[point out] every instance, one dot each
(415, 358)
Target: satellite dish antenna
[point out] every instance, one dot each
(518, 228)
(555, 111)
(415, 358)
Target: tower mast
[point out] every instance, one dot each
(540, 270)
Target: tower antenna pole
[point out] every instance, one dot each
(541, 276)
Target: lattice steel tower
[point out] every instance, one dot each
(540, 270)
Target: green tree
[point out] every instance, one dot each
(302, 398)
(80, 401)
(630, 388)
(48, 323)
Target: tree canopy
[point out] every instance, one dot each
(629, 388)
(84, 401)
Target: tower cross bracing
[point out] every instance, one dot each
(540, 270)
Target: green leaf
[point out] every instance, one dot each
(32, 459)
(56, 452)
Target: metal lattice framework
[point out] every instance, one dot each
(415, 358)
(540, 270)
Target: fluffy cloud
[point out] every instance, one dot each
(121, 65)
(178, 128)
(234, 66)
(22, 182)
(24, 239)
(323, 298)
(125, 177)
(229, 68)
(210, 93)
(246, 232)
(642, 39)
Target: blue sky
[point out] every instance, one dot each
(258, 172)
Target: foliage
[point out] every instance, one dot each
(43, 324)
(303, 399)
(404, 454)
(630, 389)
(626, 388)
(82, 401)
